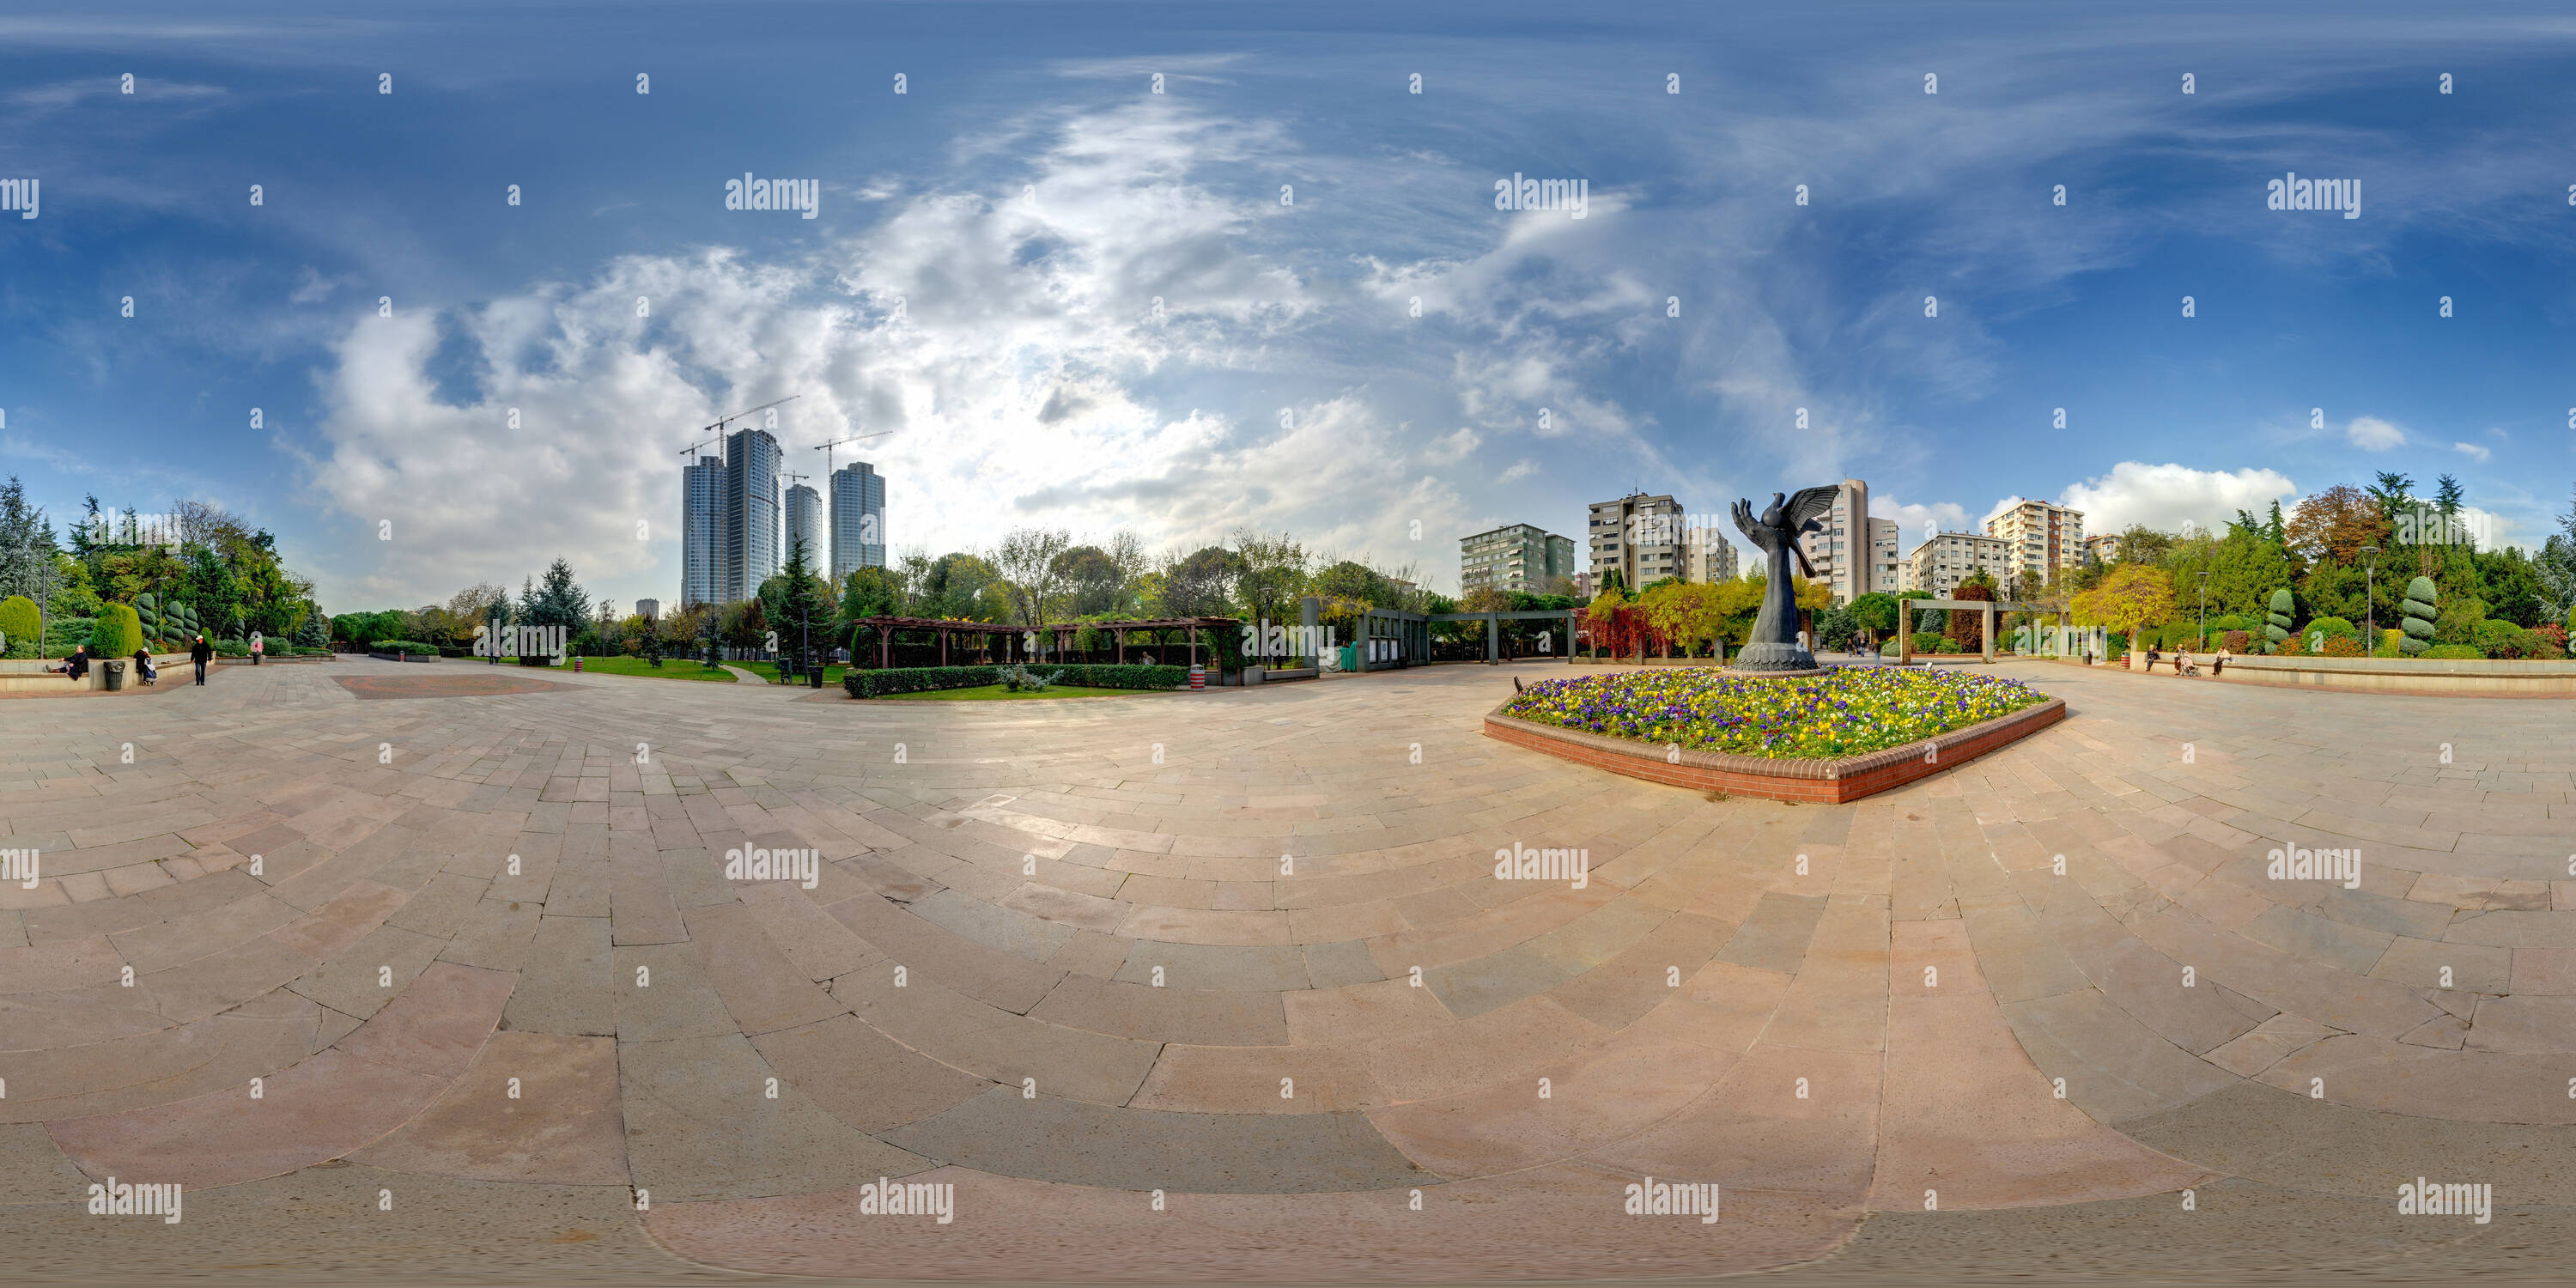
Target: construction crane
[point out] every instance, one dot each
(717, 428)
(826, 449)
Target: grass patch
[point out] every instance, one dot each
(996, 693)
(671, 669)
(769, 671)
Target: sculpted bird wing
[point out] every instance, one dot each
(1809, 504)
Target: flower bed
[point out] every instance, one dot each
(1847, 711)
(921, 679)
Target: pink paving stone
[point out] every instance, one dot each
(563, 1125)
(438, 1021)
(314, 1111)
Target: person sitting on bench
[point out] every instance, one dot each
(143, 669)
(76, 663)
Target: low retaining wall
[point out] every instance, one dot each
(2423, 677)
(1818, 782)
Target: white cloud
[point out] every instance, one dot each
(2472, 451)
(1520, 469)
(1915, 524)
(2371, 434)
(1449, 449)
(2167, 496)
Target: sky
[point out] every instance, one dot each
(1278, 292)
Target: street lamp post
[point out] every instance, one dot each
(2204, 606)
(2369, 604)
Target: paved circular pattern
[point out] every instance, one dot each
(1248, 949)
(491, 681)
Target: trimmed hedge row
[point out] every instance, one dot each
(923, 679)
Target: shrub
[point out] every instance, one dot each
(2340, 646)
(2420, 615)
(2557, 637)
(2119, 643)
(2314, 636)
(403, 646)
(924, 679)
(2519, 644)
(1927, 642)
(2236, 641)
(117, 632)
(2492, 637)
(2453, 653)
(2277, 627)
(63, 634)
(19, 620)
(1948, 645)
(2392, 642)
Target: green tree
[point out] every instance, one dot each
(805, 624)
(1093, 581)
(1270, 572)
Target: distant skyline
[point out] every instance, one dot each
(492, 305)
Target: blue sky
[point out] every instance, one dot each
(981, 273)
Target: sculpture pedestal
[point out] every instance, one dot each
(1773, 657)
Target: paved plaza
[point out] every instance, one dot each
(1182, 986)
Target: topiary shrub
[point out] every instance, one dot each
(2276, 629)
(2236, 641)
(117, 633)
(20, 625)
(2453, 653)
(2420, 615)
(2313, 636)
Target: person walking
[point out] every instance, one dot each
(201, 653)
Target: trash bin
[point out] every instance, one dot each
(112, 673)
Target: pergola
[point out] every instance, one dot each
(1990, 607)
(1014, 638)
(1493, 627)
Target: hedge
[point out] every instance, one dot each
(2453, 653)
(19, 620)
(117, 633)
(924, 679)
(402, 646)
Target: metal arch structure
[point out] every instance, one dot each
(1906, 609)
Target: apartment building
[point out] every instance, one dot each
(2043, 538)
(1940, 564)
(2104, 548)
(1707, 556)
(858, 519)
(804, 522)
(1841, 550)
(1638, 536)
(1515, 558)
(1886, 566)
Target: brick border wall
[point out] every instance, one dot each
(1819, 782)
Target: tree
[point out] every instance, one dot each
(2336, 523)
(1200, 584)
(1271, 572)
(1356, 581)
(1684, 613)
(1026, 560)
(2132, 596)
(1969, 628)
(805, 624)
(1875, 612)
(1092, 579)
(2142, 544)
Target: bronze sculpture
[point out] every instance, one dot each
(1774, 645)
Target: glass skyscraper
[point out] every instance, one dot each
(751, 554)
(804, 520)
(702, 508)
(858, 519)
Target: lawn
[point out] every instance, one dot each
(996, 693)
(769, 671)
(675, 668)
(1847, 711)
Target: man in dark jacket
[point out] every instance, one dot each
(201, 653)
(76, 663)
